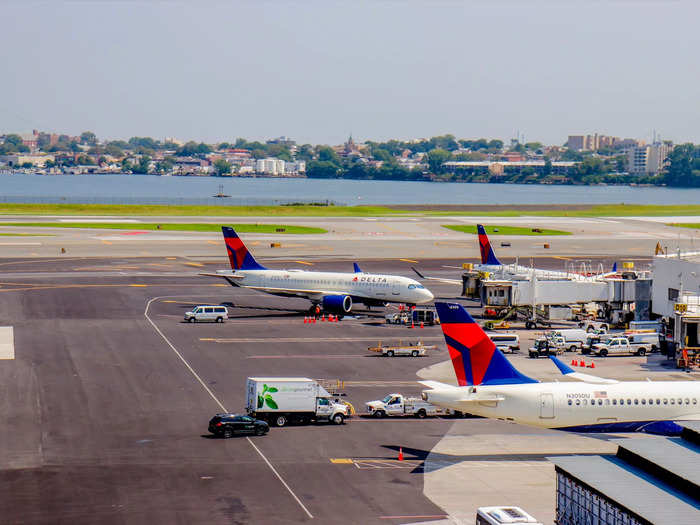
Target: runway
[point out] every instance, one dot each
(348, 237)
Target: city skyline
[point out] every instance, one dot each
(319, 71)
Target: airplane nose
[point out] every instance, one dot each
(428, 296)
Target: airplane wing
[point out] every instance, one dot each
(586, 378)
(222, 275)
(439, 279)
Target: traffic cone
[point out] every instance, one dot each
(306, 319)
(582, 363)
(574, 362)
(412, 325)
(421, 324)
(400, 453)
(592, 364)
(323, 318)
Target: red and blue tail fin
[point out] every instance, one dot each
(475, 358)
(487, 255)
(238, 254)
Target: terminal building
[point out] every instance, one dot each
(649, 481)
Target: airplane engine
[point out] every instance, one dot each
(337, 304)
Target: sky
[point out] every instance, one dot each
(319, 70)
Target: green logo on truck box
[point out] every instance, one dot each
(266, 398)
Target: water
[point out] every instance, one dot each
(148, 189)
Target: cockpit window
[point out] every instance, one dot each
(411, 286)
(420, 286)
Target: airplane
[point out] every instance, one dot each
(491, 264)
(490, 386)
(335, 292)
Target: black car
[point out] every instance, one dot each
(226, 425)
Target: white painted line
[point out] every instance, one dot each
(145, 313)
(7, 342)
(99, 220)
(20, 244)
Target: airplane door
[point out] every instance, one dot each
(395, 288)
(546, 406)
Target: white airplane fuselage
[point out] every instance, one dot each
(567, 404)
(376, 288)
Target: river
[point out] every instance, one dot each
(147, 189)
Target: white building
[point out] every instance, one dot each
(648, 159)
(270, 166)
(674, 276)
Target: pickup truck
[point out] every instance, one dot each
(400, 405)
(546, 346)
(620, 345)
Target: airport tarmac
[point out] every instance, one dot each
(347, 237)
(108, 393)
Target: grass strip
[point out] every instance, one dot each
(693, 225)
(139, 226)
(504, 230)
(26, 235)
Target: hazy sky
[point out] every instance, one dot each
(318, 70)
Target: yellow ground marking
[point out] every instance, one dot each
(213, 242)
(408, 260)
(254, 243)
(139, 285)
(171, 258)
(562, 258)
(198, 265)
(106, 242)
(305, 262)
(341, 460)
(32, 287)
(451, 243)
(169, 301)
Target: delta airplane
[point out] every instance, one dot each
(333, 291)
(491, 264)
(490, 386)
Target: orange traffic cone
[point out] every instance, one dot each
(574, 362)
(323, 317)
(421, 324)
(306, 319)
(412, 325)
(582, 363)
(400, 453)
(592, 364)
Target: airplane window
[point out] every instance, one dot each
(629, 401)
(665, 401)
(411, 286)
(420, 286)
(578, 402)
(636, 401)
(607, 402)
(570, 403)
(695, 401)
(658, 401)
(651, 401)
(600, 402)
(687, 401)
(614, 401)
(644, 401)
(680, 401)
(673, 401)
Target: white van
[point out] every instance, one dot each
(207, 313)
(506, 342)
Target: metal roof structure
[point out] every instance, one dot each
(655, 479)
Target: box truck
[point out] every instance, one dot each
(282, 400)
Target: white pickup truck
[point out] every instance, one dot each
(399, 405)
(411, 349)
(620, 345)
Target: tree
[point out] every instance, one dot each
(305, 153)
(88, 138)
(222, 167)
(113, 150)
(13, 139)
(547, 170)
(327, 154)
(165, 166)
(679, 166)
(322, 169)
(142, 166)
(436, 158)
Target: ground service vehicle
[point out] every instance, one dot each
(503, 515)
(572, 336)
(506, 342)
(594, 339)
(396, 318)
(207, 313)
(645, 338)
(594, 326)
(400, 405)
(226, 425)
(282, 400)
(620, 345)
(410, 349)
(425, 315)
(546, 346)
